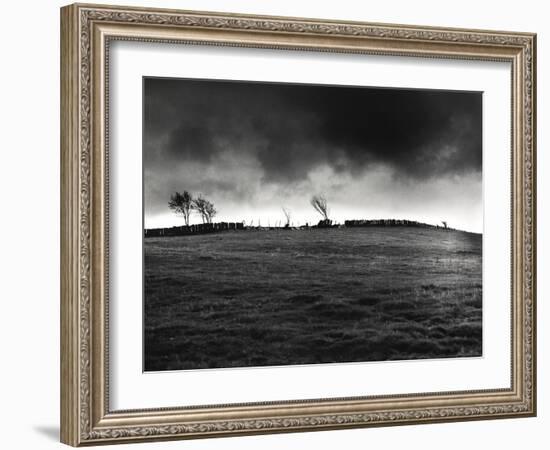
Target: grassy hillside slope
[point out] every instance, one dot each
(276, 297)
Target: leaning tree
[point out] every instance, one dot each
(210, 211)
(288, 215)
(320, 205)
(181, 204)
(205, 208)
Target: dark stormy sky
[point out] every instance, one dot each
(253, 148)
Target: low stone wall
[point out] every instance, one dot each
(201, 228)
(204, 228)
(387, 223)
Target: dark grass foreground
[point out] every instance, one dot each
(262, 298)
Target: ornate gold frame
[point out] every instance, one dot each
(86, 31)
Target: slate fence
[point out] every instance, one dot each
(388, 223)
(200, 228)
(204, 228)
(391, 223)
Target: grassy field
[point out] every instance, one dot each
(257, 298)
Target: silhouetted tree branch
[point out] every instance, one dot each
(320, 205)
(181, 204)
(205, 208)
(287, 214)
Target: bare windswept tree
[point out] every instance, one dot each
(182, 204)
(320, 205)
(205, 208)
(210, 211)
(288, 215)
(444, 223)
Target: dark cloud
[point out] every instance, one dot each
(252, 147)
(291, 129)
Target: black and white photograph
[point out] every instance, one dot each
(291, 224)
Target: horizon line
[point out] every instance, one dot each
(254, 224)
